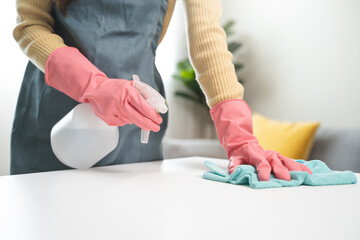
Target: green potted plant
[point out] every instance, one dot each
(186, 73)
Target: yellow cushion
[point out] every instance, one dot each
(290, 139)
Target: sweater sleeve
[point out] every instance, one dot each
(209, 53)
(34, 30)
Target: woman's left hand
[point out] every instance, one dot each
(233, 124)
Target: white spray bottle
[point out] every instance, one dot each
(81, 139)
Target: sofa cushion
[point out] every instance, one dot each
(290, 139)
(338, 148)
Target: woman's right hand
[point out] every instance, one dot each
(118, 103)
(115, 101)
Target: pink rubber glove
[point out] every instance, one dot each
(115, 101)
(233, 124)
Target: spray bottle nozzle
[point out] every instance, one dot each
(153, 98)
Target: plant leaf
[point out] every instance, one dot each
(238, 66)
(233, 46)
(228, 27)
(179, 78)
(187, 74)
(240, 80)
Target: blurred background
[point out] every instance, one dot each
(301, 62)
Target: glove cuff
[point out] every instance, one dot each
(233, 123)
(70, 72)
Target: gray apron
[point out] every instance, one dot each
(120, 38)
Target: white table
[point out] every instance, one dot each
(169, 200)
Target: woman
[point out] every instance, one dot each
(85, 50)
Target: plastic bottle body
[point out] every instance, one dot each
(81, 139)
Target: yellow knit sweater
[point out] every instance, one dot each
(207, 43)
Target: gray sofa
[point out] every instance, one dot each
(338, 148)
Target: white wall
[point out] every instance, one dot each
(12, 67)
(302, 58)
(170, 51)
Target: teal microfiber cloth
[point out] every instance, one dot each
(247, 175)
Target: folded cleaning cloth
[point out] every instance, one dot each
(246, 174)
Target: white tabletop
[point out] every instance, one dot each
(169, 200)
